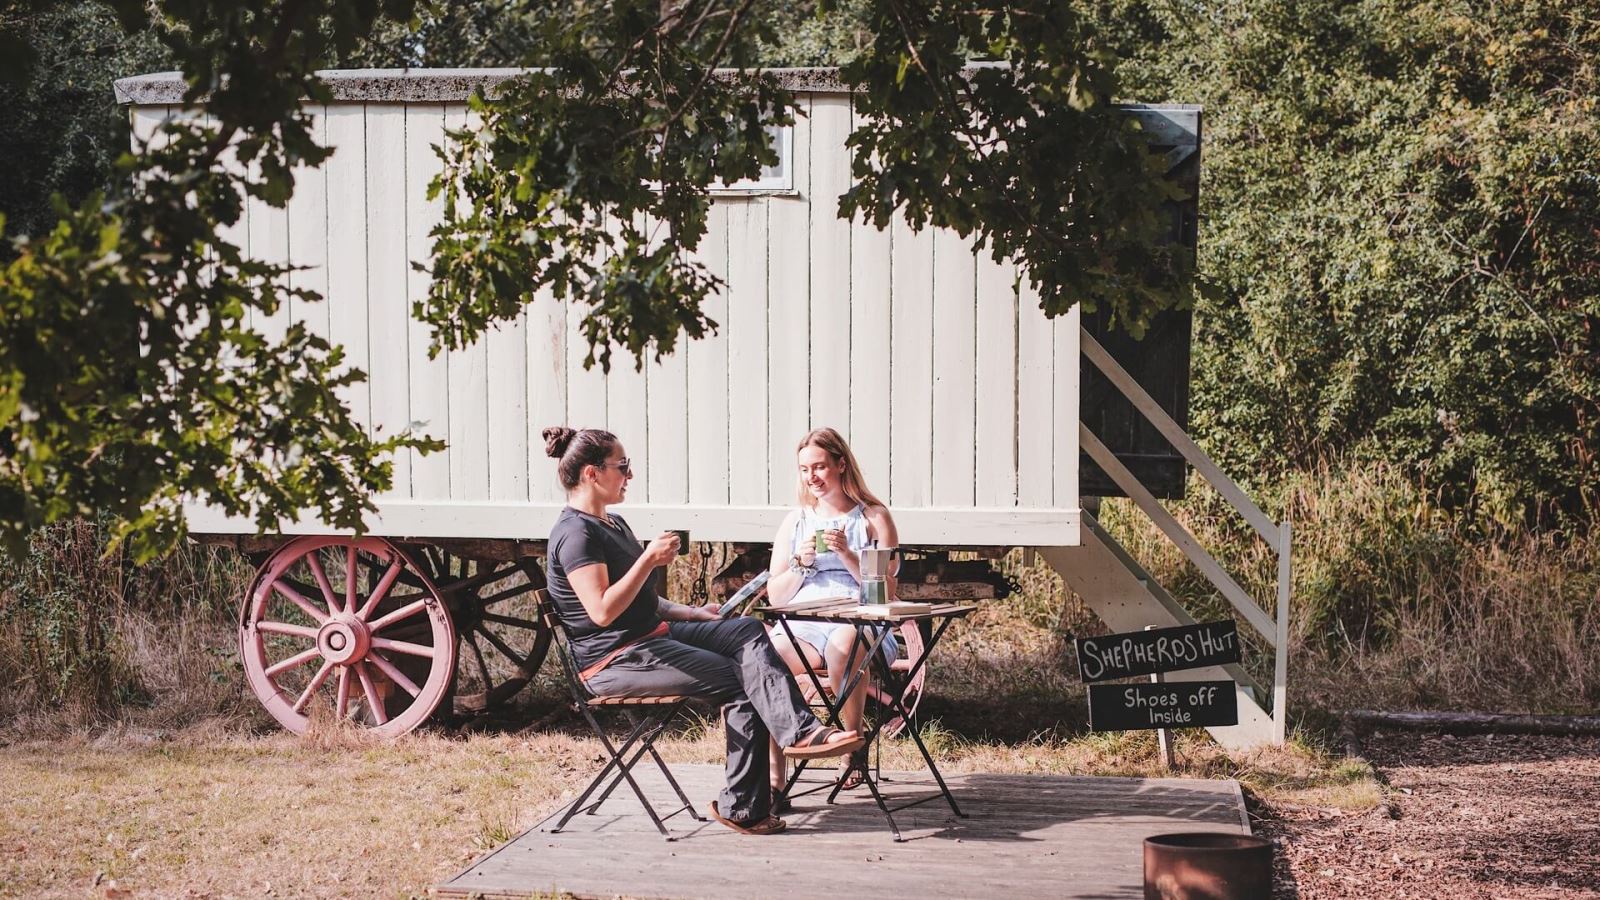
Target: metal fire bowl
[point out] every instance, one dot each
(1207, 866)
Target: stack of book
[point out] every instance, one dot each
(819, 603)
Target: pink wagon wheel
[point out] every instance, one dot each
(348, 628)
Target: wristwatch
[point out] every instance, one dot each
(795, 565)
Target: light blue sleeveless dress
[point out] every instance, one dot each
(832, 578)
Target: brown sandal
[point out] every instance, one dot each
(855, 772)
(816, 745)
(769, 825)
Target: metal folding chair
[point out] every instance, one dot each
(649, 717)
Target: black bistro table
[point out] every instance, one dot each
(871, 630)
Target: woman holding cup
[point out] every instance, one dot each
(628, 641)
(815, 555)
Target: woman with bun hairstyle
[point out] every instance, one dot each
(834, 500)
(630, 641)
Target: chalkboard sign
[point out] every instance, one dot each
(1170, 704)
(1158, 650)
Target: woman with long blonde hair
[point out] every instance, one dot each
(834, 499)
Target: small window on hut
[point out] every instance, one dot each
(778, 177)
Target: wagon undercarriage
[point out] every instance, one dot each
(387, 633)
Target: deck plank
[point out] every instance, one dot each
(1024, 835)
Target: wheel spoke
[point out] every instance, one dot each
(378, 592)
(341, 705)
(405, 647)
(483, 667)
(480, 579)
(350, 576)
(299, 659)
(316, 682)
(404, 612)
(514, 591)
(286, 628)
(295, 597)
(305, 590)
(314, 559)
(370, 691)
(511, 620)
(503, 648)
(395, 675)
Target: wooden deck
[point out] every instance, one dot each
(1023, 836)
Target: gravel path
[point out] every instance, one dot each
(1506, 816)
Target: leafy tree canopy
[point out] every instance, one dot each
(1399, 210)
(129, 375)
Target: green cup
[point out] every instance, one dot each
(822, 540)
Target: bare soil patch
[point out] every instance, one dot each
(1492, 816)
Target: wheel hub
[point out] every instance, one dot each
(344, 640)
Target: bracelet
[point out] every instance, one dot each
(805, 571)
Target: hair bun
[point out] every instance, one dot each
(556, 440)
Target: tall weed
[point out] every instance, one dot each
(1396, 601)
(85, 635)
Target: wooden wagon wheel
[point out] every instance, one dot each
(350, 627)
(911, 636)
(501, 641)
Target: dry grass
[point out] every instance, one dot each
(211, 813)
(181, 797)
(1398, 603)
(88, 639)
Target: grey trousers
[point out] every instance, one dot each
(731, 660)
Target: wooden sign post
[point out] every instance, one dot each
(1160, 704)
(1163, 735)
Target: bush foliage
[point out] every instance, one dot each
(1398, 205)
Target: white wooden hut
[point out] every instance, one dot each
(961, 400)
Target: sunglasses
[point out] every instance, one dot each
(624, 465)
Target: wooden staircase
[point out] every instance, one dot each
(1127, 598)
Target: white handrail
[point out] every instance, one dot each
(1179, 535)
(1174, 434)
(1179, 614)
(1280, 664)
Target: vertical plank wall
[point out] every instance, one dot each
(935, 361)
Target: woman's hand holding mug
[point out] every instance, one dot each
(835, 539)
(662, 550)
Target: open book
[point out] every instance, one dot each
(735, 604)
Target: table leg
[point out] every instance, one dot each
(873, 646)
(896, 691)
(816, 682)
(832, 720)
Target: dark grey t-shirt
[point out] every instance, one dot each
(577, 540)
